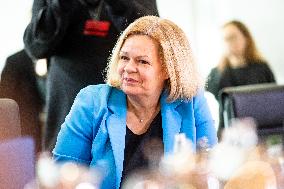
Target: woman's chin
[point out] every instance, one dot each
(131, 90)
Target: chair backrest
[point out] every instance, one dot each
(9, 119)
(263, 102)
(17, 162)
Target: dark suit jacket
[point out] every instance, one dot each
(18, 82)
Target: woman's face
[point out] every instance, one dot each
(140, 67)
(235, 41)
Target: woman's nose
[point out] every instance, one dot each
(130, 66)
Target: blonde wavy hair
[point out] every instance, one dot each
(175, 52)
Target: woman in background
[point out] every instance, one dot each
(242, 64)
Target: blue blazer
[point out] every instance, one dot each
(94, 131)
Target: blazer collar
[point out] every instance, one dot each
(171, 121)
(117, 129)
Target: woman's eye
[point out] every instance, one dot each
(123, 58)
(143, 62)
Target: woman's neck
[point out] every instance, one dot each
(142, 106)
(236, 61)
(141, 112)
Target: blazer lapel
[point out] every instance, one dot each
(116, 128)
(116, 124)
(171, 122)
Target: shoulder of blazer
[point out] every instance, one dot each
(96, 96)
(99, 92)
(105, 97)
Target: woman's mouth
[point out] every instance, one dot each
(130, 81)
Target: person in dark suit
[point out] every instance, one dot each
(19, 82)
(77, 36)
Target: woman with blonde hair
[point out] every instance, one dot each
(242, 64)
(153, 92)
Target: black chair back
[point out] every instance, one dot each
(263, 102)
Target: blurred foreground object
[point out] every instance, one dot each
(17, 162)
(237, 143)
(51, 175)
(240, 161)
(253, 175)
(181, 169)
(237, 162)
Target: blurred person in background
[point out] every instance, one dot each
(153, 91)
(77, 36)
(20, 82)
(242, 63)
